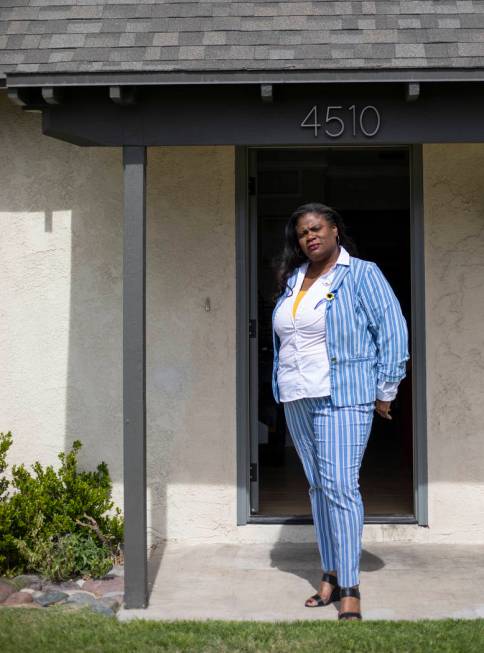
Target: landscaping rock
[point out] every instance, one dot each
(49, 598)
(7, 587)
(66, 586)
(102, 609)
(18, 598)
(103, 586)
(114, 595)
(80, 592)
(81, 598)
(111, 602)
(104, 596)
(32, 581)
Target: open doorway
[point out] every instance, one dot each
(370, 187)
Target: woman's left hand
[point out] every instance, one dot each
(383, 408)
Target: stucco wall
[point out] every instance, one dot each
(454, 271)
(61, 320)
(190, 351)
(61, 316)
(61, 311)
(454, 250)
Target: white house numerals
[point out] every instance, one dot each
(336, 119)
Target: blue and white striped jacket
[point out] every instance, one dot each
(366, 333)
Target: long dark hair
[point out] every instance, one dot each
(292, 255)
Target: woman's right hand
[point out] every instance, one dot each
(383, 408)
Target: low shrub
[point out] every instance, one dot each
(59, 523)
(67, 556)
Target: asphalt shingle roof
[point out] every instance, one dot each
(42, 36)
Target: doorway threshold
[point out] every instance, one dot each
(307, 519)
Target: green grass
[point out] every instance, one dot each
(53, 630)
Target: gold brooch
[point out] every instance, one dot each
(329, 296)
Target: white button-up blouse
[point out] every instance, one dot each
(303, 369)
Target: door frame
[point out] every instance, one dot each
(243, 349)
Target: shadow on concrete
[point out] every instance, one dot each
(303, 560)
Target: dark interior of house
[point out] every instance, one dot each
(370, 187)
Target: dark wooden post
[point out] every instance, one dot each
(134, 376)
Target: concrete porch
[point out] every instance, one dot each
(270, 582)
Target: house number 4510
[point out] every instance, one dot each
(335, 121)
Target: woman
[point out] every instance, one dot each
(340, 351)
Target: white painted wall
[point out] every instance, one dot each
(61, 320)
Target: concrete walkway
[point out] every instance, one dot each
(271, 582)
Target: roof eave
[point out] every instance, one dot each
(158, 78)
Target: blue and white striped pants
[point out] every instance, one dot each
(331, 441)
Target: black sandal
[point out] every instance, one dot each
(349, 591)
(328, 578)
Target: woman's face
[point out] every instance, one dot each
(316, 237)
